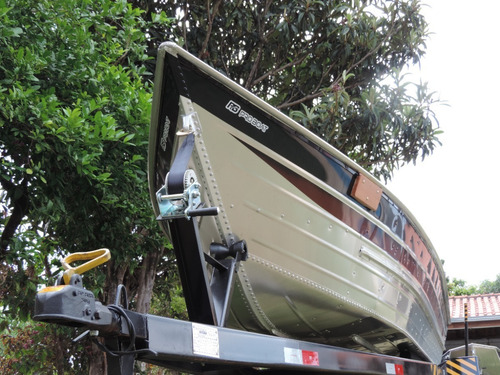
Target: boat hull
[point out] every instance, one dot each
(322, 266)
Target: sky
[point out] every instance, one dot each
(455, 193)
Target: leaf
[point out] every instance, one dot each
(15, 31)
(128, 138)
(104, 176)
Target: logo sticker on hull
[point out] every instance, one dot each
(235, 108)
(164, 137)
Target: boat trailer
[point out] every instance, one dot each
(203, 345)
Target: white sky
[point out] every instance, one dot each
(455, 193)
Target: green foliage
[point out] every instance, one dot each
(74, 113)
(488, 286)
(332, 65)
(75, 102)
(459, 287)
(35, 348)
(169, 300)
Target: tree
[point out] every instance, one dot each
(24, 350)
(488, 286)
(459, 287)
(74, 113)
(334, 66)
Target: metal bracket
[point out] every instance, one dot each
(179, 200)
(222, 281)
(185, 205)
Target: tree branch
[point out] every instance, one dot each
(279, 69)
(21, 205)
(262, 42)
(301, 100)
(211, 16)
(316, 94)
(184, 27)
(254, 67)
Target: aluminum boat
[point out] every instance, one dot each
(333, 256)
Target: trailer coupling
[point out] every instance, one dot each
(69, 303)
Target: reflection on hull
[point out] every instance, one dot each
(322, 265)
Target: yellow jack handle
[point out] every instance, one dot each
(95, 258)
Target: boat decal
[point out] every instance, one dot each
(238, 112)
(164, 137)
(368, 229)
(235, 108)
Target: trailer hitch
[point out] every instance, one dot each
(68, 303)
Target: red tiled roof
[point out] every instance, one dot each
(479, 306)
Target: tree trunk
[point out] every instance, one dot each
(146, 279)
(115, 274)
(97, 362)
(21, 206)
(59, 353)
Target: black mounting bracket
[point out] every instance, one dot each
(207, 301)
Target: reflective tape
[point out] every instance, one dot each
(462, 366)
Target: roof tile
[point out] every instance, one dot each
(483, 305)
